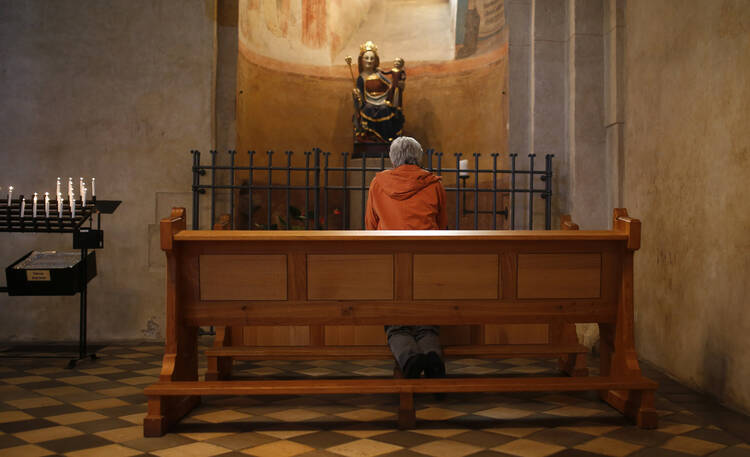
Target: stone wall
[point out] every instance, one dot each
(118, 90)
(686, 162)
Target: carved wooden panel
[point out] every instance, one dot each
(456, 276)
(243, 277)
(349, 277)
(559, 275)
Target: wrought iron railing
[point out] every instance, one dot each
(313, 193)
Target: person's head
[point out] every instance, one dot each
(405, 150)
(368, 57)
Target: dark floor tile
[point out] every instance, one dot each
(101, 425)
(640, 436)
(734, 451)
(120, 411)
(560, 437)
(10, 441)
(74, 443)
(403, 438)
(162, 442)
(44, 385)
(481, 439)
(716, 436)
(47, 411)
(241, 440)
(323, 439)
(399, 453)
(22, 426)
(658, 452)
(134, 399)
(576, 453)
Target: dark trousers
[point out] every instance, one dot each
(406, 341)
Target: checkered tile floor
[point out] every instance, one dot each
(96, 410)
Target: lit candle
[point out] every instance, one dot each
(83, 197)
(59, 205)
(58, 185)
(33, 208)
(93, 188)
(80, 185)
(70, 186)
(10, 194)
(23, 206)
(464, 165)
(72, 208)
(46, 205)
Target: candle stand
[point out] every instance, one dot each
(50, 279)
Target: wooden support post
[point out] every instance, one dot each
(407, 417)
(220, 368)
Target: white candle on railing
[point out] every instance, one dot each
(10, 194)
(72, 208)
(80, 185)
(83, 197)
(93, 188)
(46, 205)
(58, 185)
(23, 206)
(33, 208)
(70, 186)
(464, 165)
(59, 205)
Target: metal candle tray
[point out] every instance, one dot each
(49, 273)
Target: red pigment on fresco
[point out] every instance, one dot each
(314, 23)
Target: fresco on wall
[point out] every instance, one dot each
(480, 26)
(295, 90)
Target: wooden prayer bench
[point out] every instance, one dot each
(237, 278)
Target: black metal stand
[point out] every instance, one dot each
(84, 238)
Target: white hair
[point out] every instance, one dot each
(405, 149)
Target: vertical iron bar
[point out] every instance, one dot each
(196, 185)
(548, 191)
(269, 153)
(513, 191)
(250, 192)
(440, 164)
(494, 191)
(531, 191)
(213, 190)
(316, 207)
(345, 211)
(288, 186)
(84, 294)
(325, 191)
(232, 153)
(362, 197)
(429, 159)
(307, 190)
(476, 191)
(458, 190)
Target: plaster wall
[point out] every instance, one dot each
(118, 90)
(686, 162)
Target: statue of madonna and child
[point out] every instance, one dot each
(378, 97)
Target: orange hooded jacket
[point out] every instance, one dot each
(406, 198)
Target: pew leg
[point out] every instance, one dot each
(573, 365)
(407, 417)
(220, 368)
(165, 411)
(636, 405)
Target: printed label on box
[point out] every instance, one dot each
(37, 275)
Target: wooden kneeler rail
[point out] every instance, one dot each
(238, 278)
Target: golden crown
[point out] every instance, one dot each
(367, 46)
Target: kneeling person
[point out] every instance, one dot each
(409, 198)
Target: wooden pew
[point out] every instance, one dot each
(235, 278)
(228, 344)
